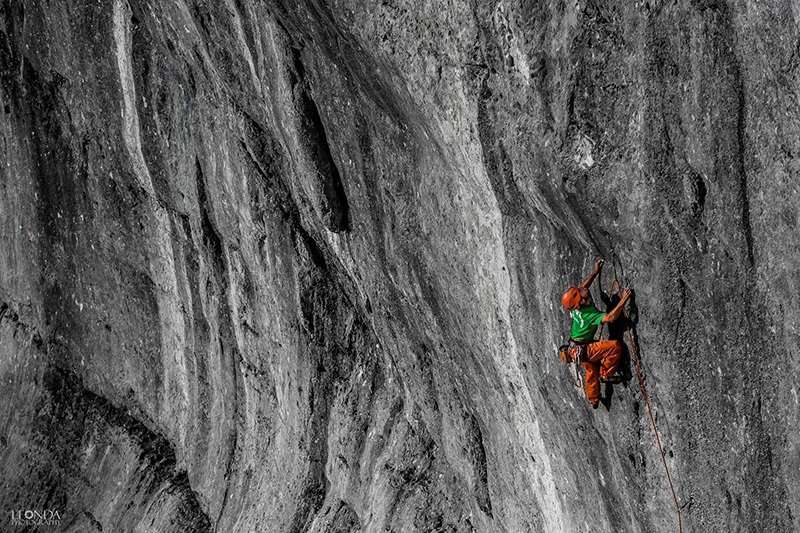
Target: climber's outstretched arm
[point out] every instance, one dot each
(615, 313)
(588, 281)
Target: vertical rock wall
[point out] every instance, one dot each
(295, 265)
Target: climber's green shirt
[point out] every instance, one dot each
(584, 322)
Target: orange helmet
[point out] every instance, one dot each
(571, 299)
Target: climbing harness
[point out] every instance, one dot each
(635, 357)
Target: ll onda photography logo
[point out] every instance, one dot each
(35, 517)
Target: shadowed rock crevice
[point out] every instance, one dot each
(77, 426)
(333, 201)
(741, 132)
(477, 452)
(338, 340)
(344, 520)
(211, 238)
(271, 193)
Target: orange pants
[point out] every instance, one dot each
(600, 358)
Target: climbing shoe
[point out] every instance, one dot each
(616, 378)
(595, 405)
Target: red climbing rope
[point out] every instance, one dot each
(647, 403)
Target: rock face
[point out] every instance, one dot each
(294, 265)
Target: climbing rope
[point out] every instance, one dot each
(635, 357)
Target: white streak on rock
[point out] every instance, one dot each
(157, 233)
(130, 117)
(246, 52)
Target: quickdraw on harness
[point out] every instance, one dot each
(571, 356)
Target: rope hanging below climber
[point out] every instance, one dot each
(635, 357)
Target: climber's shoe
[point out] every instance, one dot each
(595, 405)
(616, 378)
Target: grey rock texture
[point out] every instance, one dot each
(291, 266)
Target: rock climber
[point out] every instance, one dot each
(599, 358)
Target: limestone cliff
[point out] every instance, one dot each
(294, 265)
